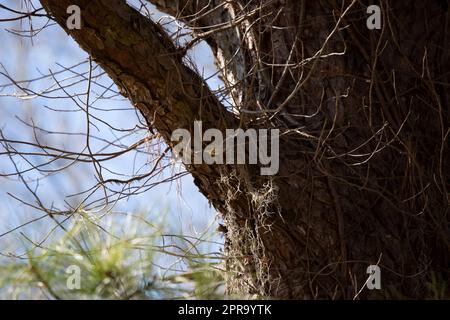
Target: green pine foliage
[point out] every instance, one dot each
(130, 258)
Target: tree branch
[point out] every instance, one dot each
(220, 24)
(142, 60)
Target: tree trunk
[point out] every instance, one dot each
(364, 116)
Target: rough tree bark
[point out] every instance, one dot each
(364, 174)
